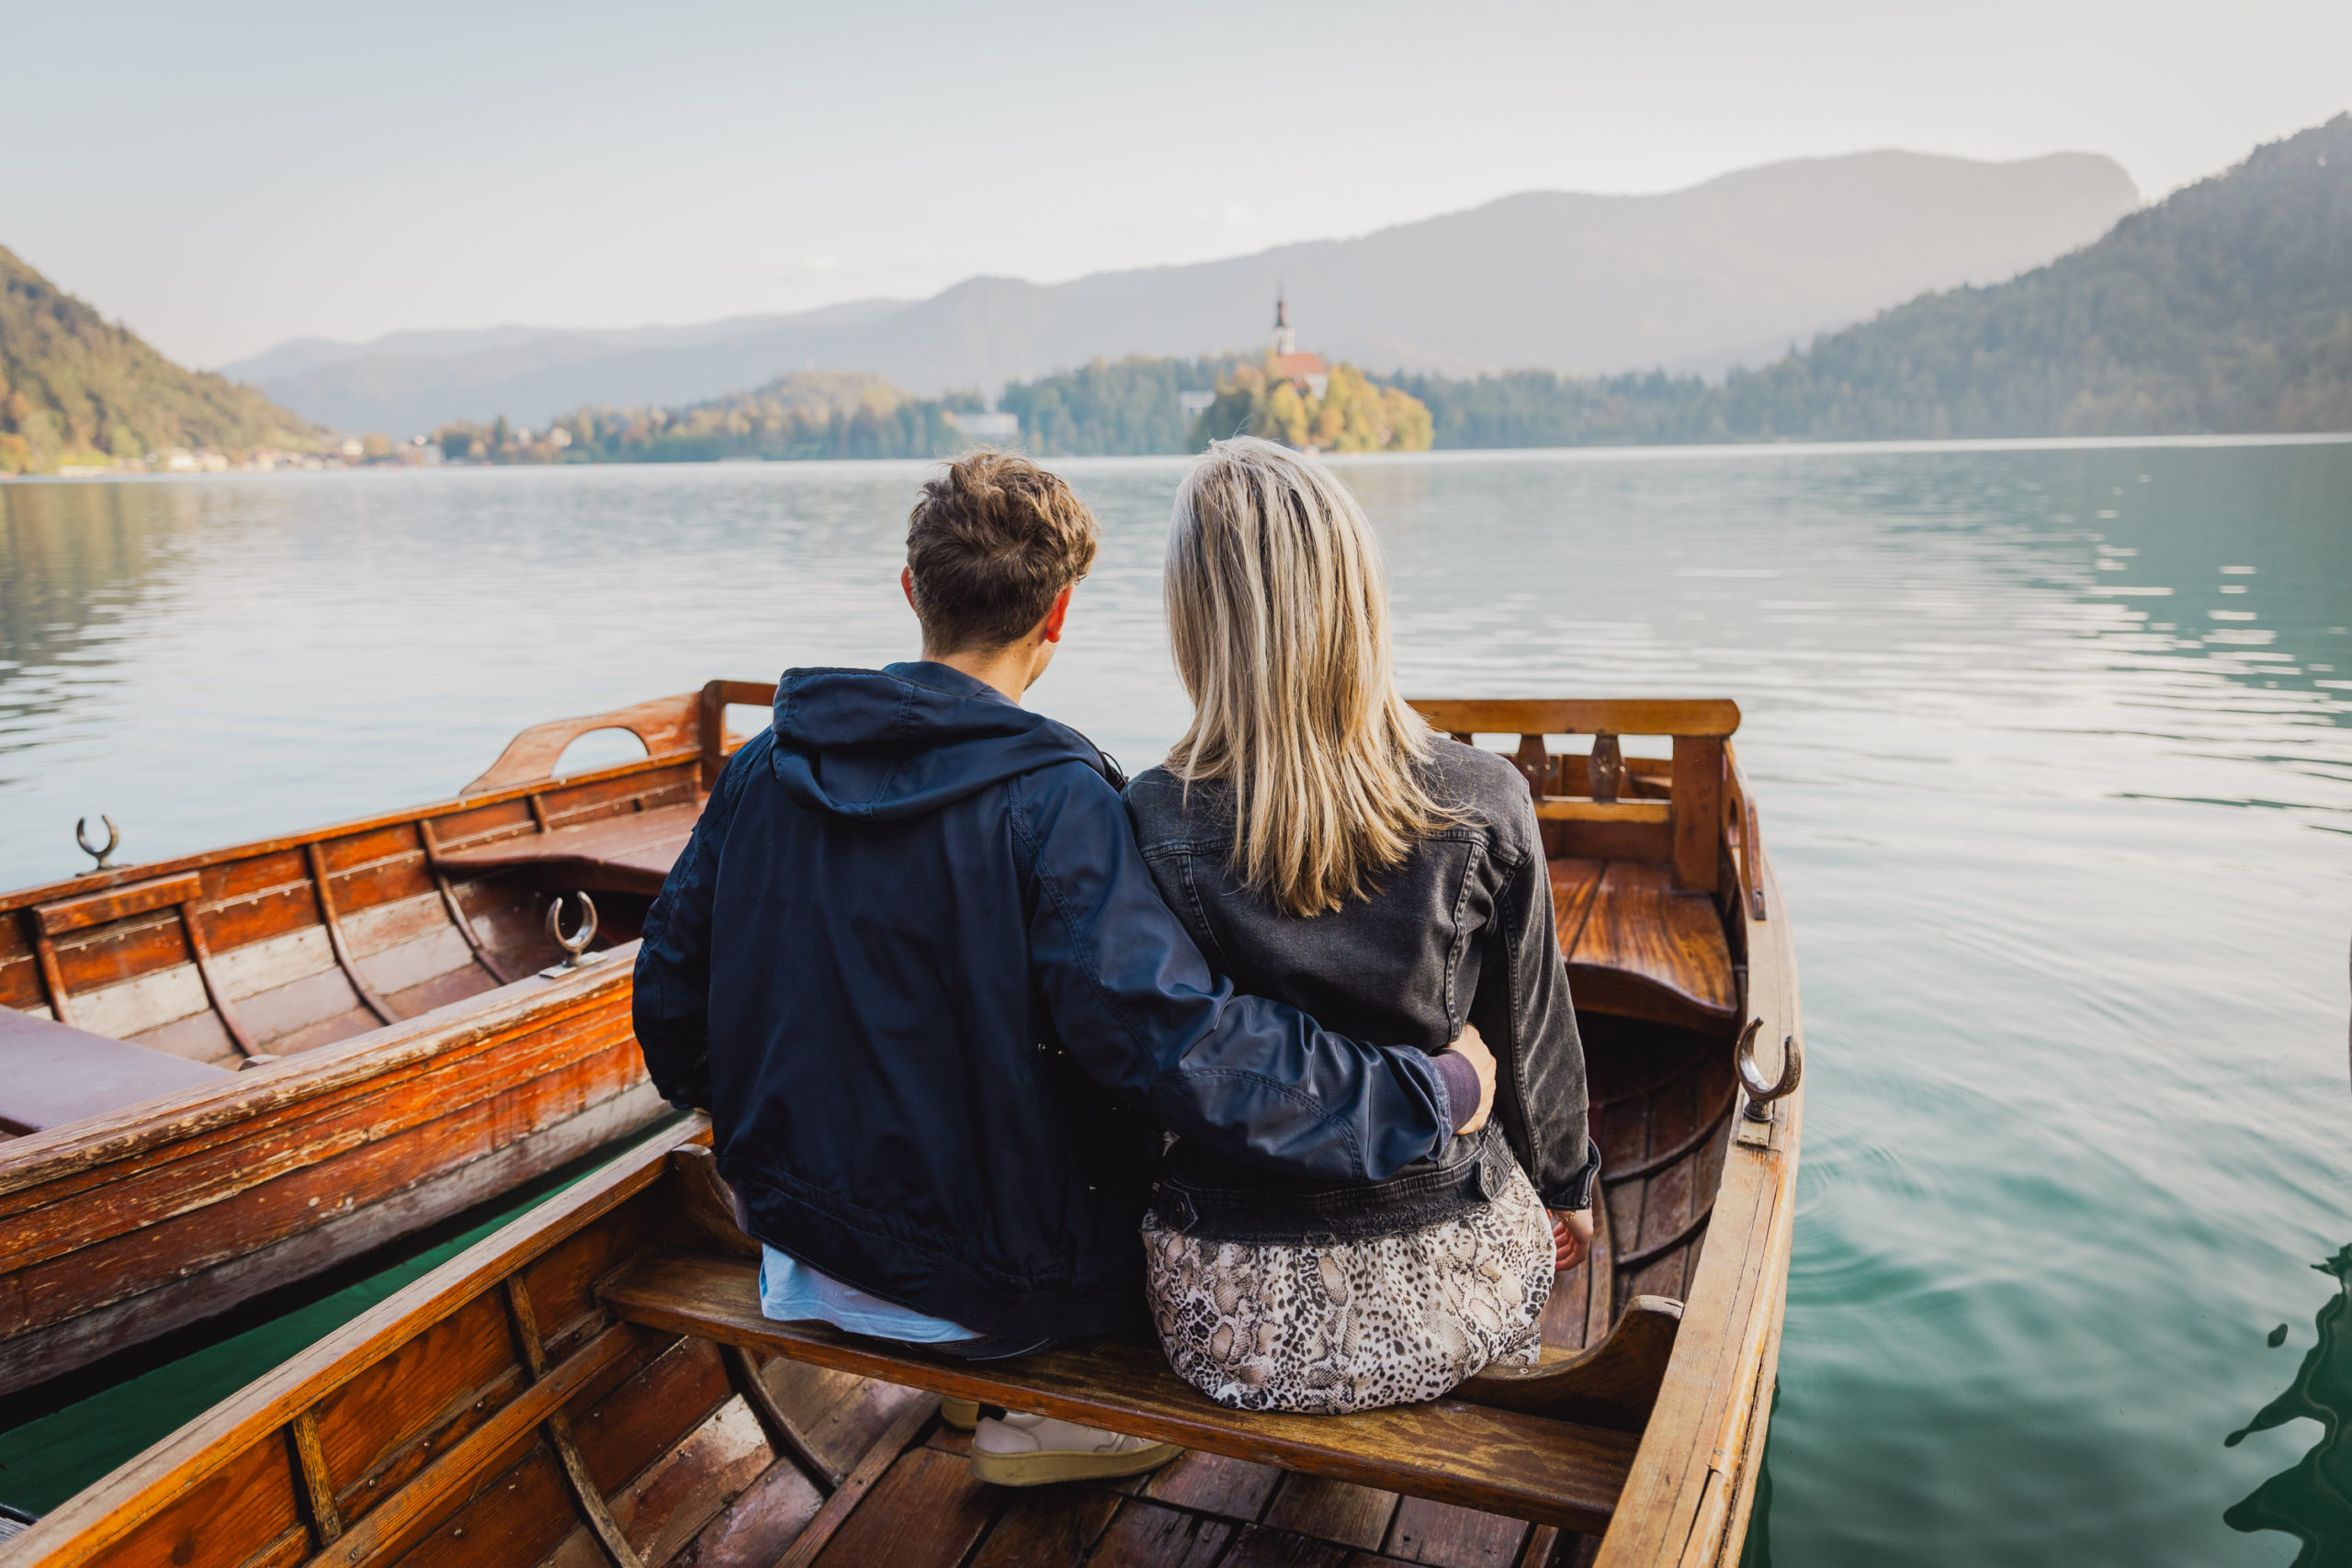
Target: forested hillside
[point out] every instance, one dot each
(808, 414)
(2226, 308)
(72, 387)
(1109, 408)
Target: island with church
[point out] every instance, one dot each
(1295, 399)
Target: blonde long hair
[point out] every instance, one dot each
(1278, 617)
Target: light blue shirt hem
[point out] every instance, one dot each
(791, 1291)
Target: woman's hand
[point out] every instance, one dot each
(1571, 1237)
(1474, 1051)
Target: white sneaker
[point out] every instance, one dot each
(1032, 1450)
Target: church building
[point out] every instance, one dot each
(1305, 371)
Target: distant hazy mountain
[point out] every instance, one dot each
(75, 386)
(2226, 308)
(1696, 279)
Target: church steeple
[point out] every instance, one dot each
(1286, 337)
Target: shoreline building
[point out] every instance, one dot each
(1305, 371)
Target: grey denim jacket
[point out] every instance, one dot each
(1462, 931)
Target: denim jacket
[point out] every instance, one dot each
(1461, 931)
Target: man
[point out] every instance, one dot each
(914, 965)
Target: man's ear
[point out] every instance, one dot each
(1052, 628)
(907, 585)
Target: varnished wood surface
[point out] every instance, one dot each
(1687, 1498)
(1639, 947)
(54, 1075)
(419, 1434)
(1482, 1457)
(117, 1227)
(663, 725)
(626, 854)
(1714, 717)
(391, 1071)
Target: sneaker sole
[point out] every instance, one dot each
(1044, 1468)
(961, 1413)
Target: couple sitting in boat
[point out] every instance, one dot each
(1003, 1050)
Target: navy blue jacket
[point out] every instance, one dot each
(915, 966)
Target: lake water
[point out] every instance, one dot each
(2053, 745)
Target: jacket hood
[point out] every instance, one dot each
(907, 739)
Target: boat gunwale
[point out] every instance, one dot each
(448, 1030)
(124, 875)
(93, 1520)
(1713, 1407)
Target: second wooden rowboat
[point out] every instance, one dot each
(226, 1071)
(596, 1385)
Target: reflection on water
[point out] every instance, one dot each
(2312, 1502)
(2053, 747)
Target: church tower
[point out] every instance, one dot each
(1286, 337)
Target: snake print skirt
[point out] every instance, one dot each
(1330, 1328)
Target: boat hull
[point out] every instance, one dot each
(188, 1206)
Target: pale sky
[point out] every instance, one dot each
(224, 176)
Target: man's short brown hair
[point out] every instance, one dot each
(990, 544)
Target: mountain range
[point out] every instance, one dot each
(1734, 269)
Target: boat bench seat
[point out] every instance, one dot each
(51, 1073)
(628, 853)
(1502, 1462)
(1496, 1450)
(1639, 947)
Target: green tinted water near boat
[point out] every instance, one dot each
(2054, 752)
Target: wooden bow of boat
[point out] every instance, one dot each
(596, 1384)
(378, 981)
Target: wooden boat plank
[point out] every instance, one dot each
(248, 1496)
(1144, 1535)
(451, 1102)
(927, 1511)
(1707, 1418)
(51, 1074)
(1647, 951)
(662, 725)
(1486, 1459)
(658, 773)
(198, 1119)
(1333, 1510)
(522, 1511)
(1047, 1527)
(115, 903)
(756, 1529)
(859, 1481)
(199, 1037)
(1447, 1537)
(631, 853)
(424, 1387)
(39, 1353)
(1581, 716)
(1214, 1483)
(1259, 1547)
(661, 1506)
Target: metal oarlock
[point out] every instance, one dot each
(104, 857)
(575, 946)
(1761, 1090)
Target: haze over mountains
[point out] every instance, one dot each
(1734, 270)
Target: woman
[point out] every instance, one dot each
(1325, 848)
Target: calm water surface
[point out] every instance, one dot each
(2054, 751)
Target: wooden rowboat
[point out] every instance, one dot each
(594, 1383)
(378, 982)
